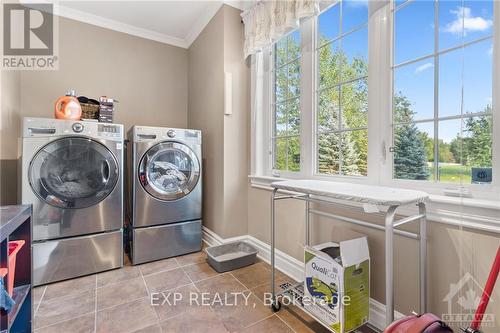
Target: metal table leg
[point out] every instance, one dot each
(307, 231)
(275, 304)
(423, 257)
(389, 264)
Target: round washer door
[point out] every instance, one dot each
(169, 171)
(73, 172)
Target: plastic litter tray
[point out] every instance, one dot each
(230, 256)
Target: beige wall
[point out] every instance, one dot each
(206, 103)
(149, 79)
(236, 135)
(452, 252)
(219, 48)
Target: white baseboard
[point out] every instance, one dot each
(212, 239)
(293, 268)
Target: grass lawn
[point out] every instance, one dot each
(453, 173)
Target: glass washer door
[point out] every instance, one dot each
(169, 171)
(73, 172)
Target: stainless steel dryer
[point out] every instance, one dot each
(72, 174)
(166, 192)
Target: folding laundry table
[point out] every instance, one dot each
(334, 193)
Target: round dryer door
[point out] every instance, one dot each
(169, 171)
(73, 172)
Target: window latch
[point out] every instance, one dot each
(392, 149)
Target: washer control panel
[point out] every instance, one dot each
(77, 127)
(46, 127)
(109, 131)
(171, 133)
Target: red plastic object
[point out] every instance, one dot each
(488, 290)
(426, 323)
(14, 248)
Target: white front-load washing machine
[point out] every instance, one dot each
(165, 208)
(72, 175)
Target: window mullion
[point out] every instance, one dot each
(307, 90)
(495, 105)
(436, 91)
(341, 79)
(386, 99)
(287, 85)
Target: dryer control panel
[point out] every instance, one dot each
(147, 134)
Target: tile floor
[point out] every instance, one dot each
(119, 301)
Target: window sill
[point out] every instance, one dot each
(477, 214)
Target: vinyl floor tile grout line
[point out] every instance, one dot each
(196, 287)
(192, 264)
(123, 302)
(95, 306)
(170, 318)
(246, 288)
(177, 287)
(155, 273)
(62, 321)
(284, 322)
(161, 270)
(188, 277)
(40, 301)
(115, 283)
(257, 322)
(145, 284)
(116, 305)
(213, 277)
(154, 310)
(64, 297)
(177, 261)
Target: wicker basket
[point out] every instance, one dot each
(90, 111)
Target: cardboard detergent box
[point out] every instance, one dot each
(337, 283)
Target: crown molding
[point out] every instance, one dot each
(110, 24)
(129, 29)
(102, 22)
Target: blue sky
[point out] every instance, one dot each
(459, 21)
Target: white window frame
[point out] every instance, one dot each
(380, 90)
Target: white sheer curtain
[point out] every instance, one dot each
(268, 20)
(257, 106)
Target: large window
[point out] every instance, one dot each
(397, 93)
(286, 103)
(342, 89)
(442, 91)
